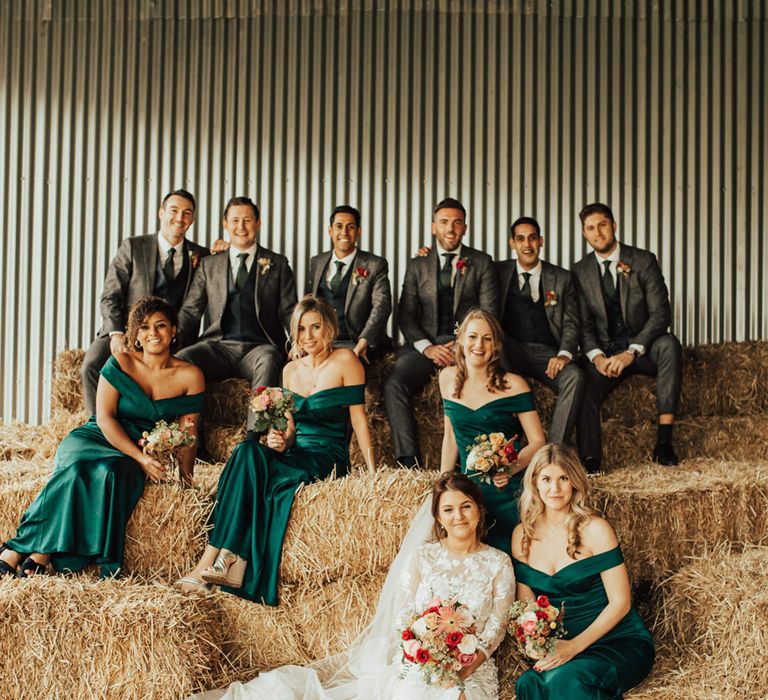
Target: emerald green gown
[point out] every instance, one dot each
(618, 661)
(497, 416)
(81, 514)
(258, 485)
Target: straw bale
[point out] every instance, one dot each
(22, 441)
(354, 525)
(220, 440)
(16, 493)
(66, 387)
(226, 402)
(114, 639)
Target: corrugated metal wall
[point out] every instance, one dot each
(534, 107)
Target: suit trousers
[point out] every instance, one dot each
(222, 359)
(411, 373)
(663, 360)
(531, 360)
(95, 357)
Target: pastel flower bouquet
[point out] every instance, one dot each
(441, 641)
(166, 440)
(535, 625)
(490, 455)
(269, 406)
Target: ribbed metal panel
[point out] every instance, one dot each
(515, 107)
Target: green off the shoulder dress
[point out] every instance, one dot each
(497, 416)
(615, 663)
(258, 485)
(81, 514)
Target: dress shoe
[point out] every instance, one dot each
(665, 455)
(591, 465)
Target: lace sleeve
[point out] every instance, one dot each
(503, 595)
(410, 578)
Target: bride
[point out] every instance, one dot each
(454, 565)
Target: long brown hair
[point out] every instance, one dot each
(532, 507)
(456, 481)
(496, 381)
(326, 313)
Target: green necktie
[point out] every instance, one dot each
(168, 270)
(526, 290)
(446, 271)
(336, 279)
(608, 285)
(242, 272)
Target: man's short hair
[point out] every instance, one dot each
(346, 209)
(450, 203)
(241, 202)
(524, 220)
(596, 208)
(179, 193)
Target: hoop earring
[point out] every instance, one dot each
(137, 345)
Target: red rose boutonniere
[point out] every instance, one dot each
(462, 265)
(359, 275)
(623, 268)
(550, 298)
(194, 259)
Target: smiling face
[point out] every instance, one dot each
(459, 515)
(527, 243)
(554, 487)
(312, 334)
(344, 233)
(176, 216)
(600, 232)
(242, 225)
(448, 227)
(477, 342)
(155, 333)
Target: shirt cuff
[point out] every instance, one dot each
(111, 333)
(421, 345)
(565, 353)
(639, 348)
(592, 354)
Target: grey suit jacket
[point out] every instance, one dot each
(563, 316)
(643, 293)
(131, 276)
(417, 310)
(369, 298)
(275, 297)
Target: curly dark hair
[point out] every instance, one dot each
(456, 481)
(141, 311)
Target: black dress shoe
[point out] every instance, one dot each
(665, 455)
(591, 464)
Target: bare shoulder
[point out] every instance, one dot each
(127, 361)
(191, 376)
(447, 377)
(349, 366)
(598, 535)
(516, 384)
(289, 370)
(517, 542)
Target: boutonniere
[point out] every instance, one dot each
(462, 265)
(194, 259)
(359, 275)
(623, 268)
(550, 298)
(264, 264)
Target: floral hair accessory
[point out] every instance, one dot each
(265, 264)
(623, 268)
(550, 298)
(359, 275)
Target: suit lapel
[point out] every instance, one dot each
(549, 284)
(625, 257)
(508, 273)
(593, 287)
(458, 285)
(322, 264)
(150, 253)
(259, 275)
(219, 281)
(361, 260)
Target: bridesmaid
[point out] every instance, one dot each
(259, 482)
(563, 550)
(80, 517)
(480, 398)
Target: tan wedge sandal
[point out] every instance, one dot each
(228, 570)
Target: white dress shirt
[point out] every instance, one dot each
(234, 261)
(330, 272)
(178, 257)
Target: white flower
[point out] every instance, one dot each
(419, 627)
(468, 644)
(411, 647)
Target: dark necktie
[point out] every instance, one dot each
(526, 290)
(242, 272)
(168, 270)
(608, 285)
(336, 279)
(446, 271)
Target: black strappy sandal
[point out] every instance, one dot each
(34, 568)
(5, 568)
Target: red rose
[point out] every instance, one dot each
(541, 615)
(407, 634)
(362, 271)
(261, 388)
(433, 609)
(422, 656)
(542, 601)
(460, 264)
(519, 633)
(454, 638)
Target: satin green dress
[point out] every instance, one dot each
(497, 416)
(611, 666)
(81, 514)
(258, 485)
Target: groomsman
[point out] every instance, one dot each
(438, 291)
(356, 284)
(249, 294)
(539, 312)
(161, 263)
(625, 314)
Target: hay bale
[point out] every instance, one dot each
(22, 441)
(16, 493)
(119, 639)
(66, 387)
(226, 403)
(220, 440)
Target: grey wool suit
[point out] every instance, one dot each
(646, 314)
(368, 300)
(131, 276)
(530, 355)
(221, 357)
(474, 286)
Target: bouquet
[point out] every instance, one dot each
(441, 641)
(165, 441)
(490, 455)
(269, 405)
(535, 625)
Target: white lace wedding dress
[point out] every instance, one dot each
(372, 668)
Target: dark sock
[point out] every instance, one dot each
(664, 436)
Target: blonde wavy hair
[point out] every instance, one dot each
(496, 381)
(328, 316)
(532, 507)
